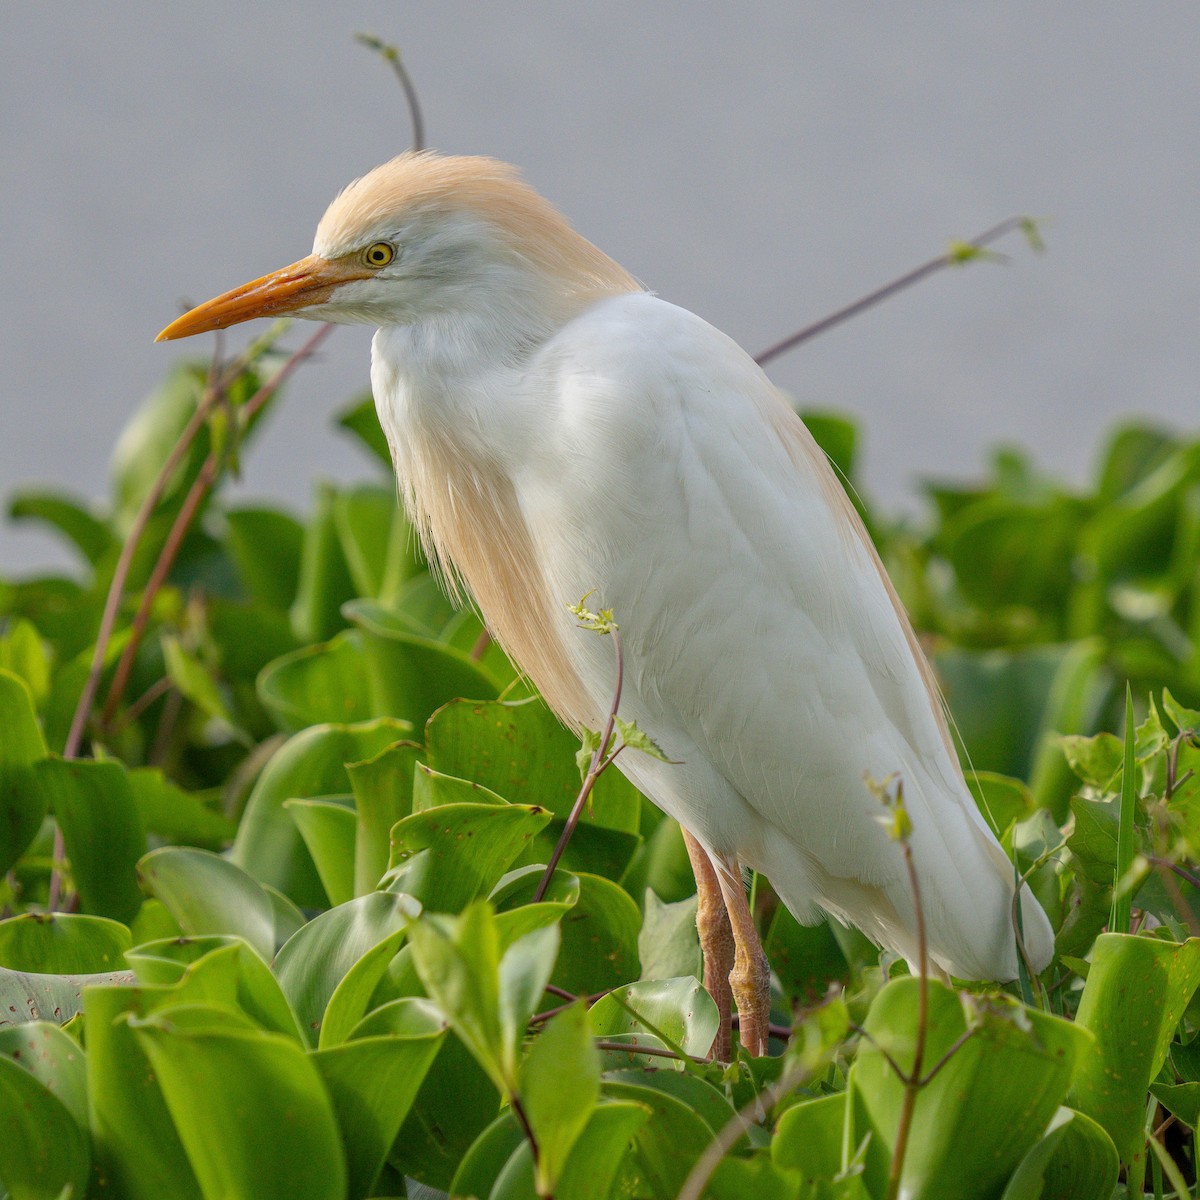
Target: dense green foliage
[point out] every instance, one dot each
(277, 935)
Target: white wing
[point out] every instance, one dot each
(763, 646)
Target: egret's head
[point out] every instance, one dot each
(425, 236)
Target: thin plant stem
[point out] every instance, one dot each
(949, 259)
(391, 55)
(519, 1112)
(598, 764)
(652, 1051)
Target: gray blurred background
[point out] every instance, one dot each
(759, 163)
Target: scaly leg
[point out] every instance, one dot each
(750, 979)
(716, 944)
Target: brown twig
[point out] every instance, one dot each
(652, 1051)
(952, 258)
(391, 55)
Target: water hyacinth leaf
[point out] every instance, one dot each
(557, 1114)
(44, 1154)
(411, 676)
(128, 1112)
(329, 829)
(312, 763)
(71, 518)
(169, 811)
(318, 684)
(197, 682)
(365, 517)
(680, 1009)
(522, 752)
(810, 1138)
(102, 831)
(318, 957)
(206, 893)
(22, 804)
(63, 943)
(1000, 799)
(985, 1108)
(265, 545)
(219, 972)
(761, 1178)
(451, 855)
(599, 938)
(702, 1097)
(383, 795)
(360, 419)
(667, 1145)
(1181, 1100)
(26, 655)
(372, 1083)
(223, 1086)
(668, 944)
(31, 996)
(807, 958)
(325, 582)
(1076, 1160)
(1135, 994)
(432, 789)
(353, 994)
(484, 1162)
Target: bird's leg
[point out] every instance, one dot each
(750, 979)
(716, 944)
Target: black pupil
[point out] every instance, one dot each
(379, 254)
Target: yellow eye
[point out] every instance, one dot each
(379, 255)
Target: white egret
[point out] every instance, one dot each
(557, 430)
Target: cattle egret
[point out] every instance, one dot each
(559, 431)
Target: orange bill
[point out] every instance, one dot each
(310, 281)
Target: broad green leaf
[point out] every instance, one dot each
(63, 944)
(454, 854)
(680, 1009)
(1001, 800)
(26, 655)
(810, 1137)
(207, 894)
(599, 938)
(1076, 1160)
(360, 419)
(220, 972)
(265, 546)
(223, 1086)
(987, 1105)
(432, 789)
(701, 1096)
(102, 831)
(372, 1082)
(521, 751)
(87, 533)
(180, 816)
(667, 1146)
(383, 795)
(54, 1059)
(1180, 1099)
(325, 582)
(358, 990)
(318, 957)
(759, 1177)
(32, 996)
(668, 944)
(328, 828)
(562, 1052)
(197, 683)
(807, 958)
(312, 763)
(44, 1154)
(22, 803)
(1135, 995)
(410, 676)
(128, 1112)
(315, 684)
(365, 517)
(1184, 718)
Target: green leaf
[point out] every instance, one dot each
(810, 1138)
(224, 1086)
(599, 938)
(668, 944)
(318, 957)
(1135, 995)
(373, 1081)
(206, 893)
(325, 582)
(807, 958)
(637, 739)
(370, 522)
(1122, 903)
(179, 816)
(89, 535)
(312, 763)
(521, 752)
(1093, 841)
(1184, 718)
(680, 1009)
(30, 996)
(1076, 1160)
(358, 990)
(328, 828)
(360, 419)
(265, 546)
(102, 831)
(448, 856)
(44, 1154)
(25, 654)
(987, 1105)
(63, 943)
(562, 1053)
(1001, 800)
(22, 803)
(316, 684)
(197, 683)
(383, 795)
(128, 1112)
(410, 676)
(1181, 1099)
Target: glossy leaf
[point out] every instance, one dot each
(265, 545)
(63, 944)
(328, 828)
(678, 1008)
(1076, 1160)
(383, 795)
(170, 812)
(315, 684)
